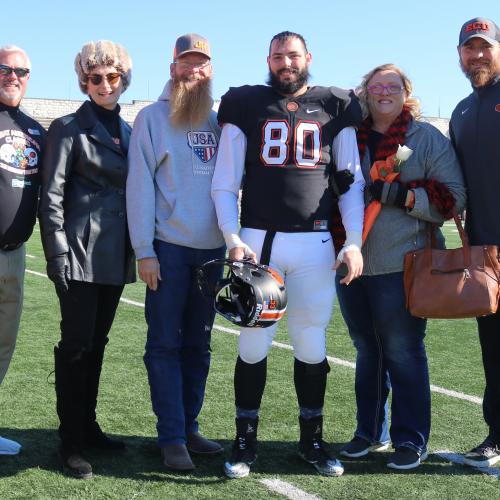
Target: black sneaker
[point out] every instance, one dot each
(405, 458)
(359, 447)
(484, 455)
(244, 452)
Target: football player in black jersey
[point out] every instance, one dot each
(288, 139)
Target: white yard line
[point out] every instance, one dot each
(459, 395)
(459, 459)
(36, 273)
(287, 490)
(132, 302)
(336, 361)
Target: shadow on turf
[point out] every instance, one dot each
(141, 460)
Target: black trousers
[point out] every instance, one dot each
(87, 313)
(489, 337)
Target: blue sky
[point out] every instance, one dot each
(346, 40)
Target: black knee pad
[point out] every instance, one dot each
(310, 383)
(249, 383)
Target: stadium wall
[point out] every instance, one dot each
(46, 110)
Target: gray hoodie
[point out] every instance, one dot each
(169, 180)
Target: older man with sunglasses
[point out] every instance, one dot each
(21, 145)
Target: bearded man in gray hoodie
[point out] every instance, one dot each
(173, 229)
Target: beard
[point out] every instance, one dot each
(289, 87)
(479, 77)
(9, 97)
(190, 102)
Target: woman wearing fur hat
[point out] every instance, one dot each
(86, 243)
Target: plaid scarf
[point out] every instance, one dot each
(395, 135)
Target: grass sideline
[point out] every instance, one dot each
(27, 413)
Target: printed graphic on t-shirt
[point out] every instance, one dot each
(18, 152)
(203, 144)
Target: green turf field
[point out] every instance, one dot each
(27, 414)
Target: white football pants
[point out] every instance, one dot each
(305, 261)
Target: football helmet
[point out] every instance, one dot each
(249, 295)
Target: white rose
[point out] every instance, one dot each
(403, 153)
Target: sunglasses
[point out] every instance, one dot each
(7, 70)
(112, 78)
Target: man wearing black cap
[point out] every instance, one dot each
(173, 229)
(475, 132)
(21, 145)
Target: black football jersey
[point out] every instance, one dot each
(289, 153)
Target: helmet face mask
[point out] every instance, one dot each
(250, 295)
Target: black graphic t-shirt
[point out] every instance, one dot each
(22, 142)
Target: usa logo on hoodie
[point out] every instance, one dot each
(204, 144)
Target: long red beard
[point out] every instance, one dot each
(190, 103)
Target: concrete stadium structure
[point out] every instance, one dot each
(46, 110)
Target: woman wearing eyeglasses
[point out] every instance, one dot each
(86, 242)
(401, 196)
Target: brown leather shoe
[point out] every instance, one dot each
(200, 445)
(75, 465)
(176, 457)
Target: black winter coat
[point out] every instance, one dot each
(82, 206)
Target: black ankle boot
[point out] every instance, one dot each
(244, 452)
(74, 464)
(312, 447)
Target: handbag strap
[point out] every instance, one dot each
(464, 238)
(431, 241)
(461, 231)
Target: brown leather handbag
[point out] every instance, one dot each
(457, 283)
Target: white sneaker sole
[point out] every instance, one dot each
(482, 463)
(237, 470)
(414, 465)
(10, 452)
(375, 448)
(332, 468)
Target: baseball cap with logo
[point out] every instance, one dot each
(191, 43)
(479, 27)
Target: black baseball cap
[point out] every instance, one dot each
(479, 27)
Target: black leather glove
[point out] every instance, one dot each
(58, 272)
(393, 193)
(343, 180)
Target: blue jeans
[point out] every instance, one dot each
(177, 354)
(390, 352)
